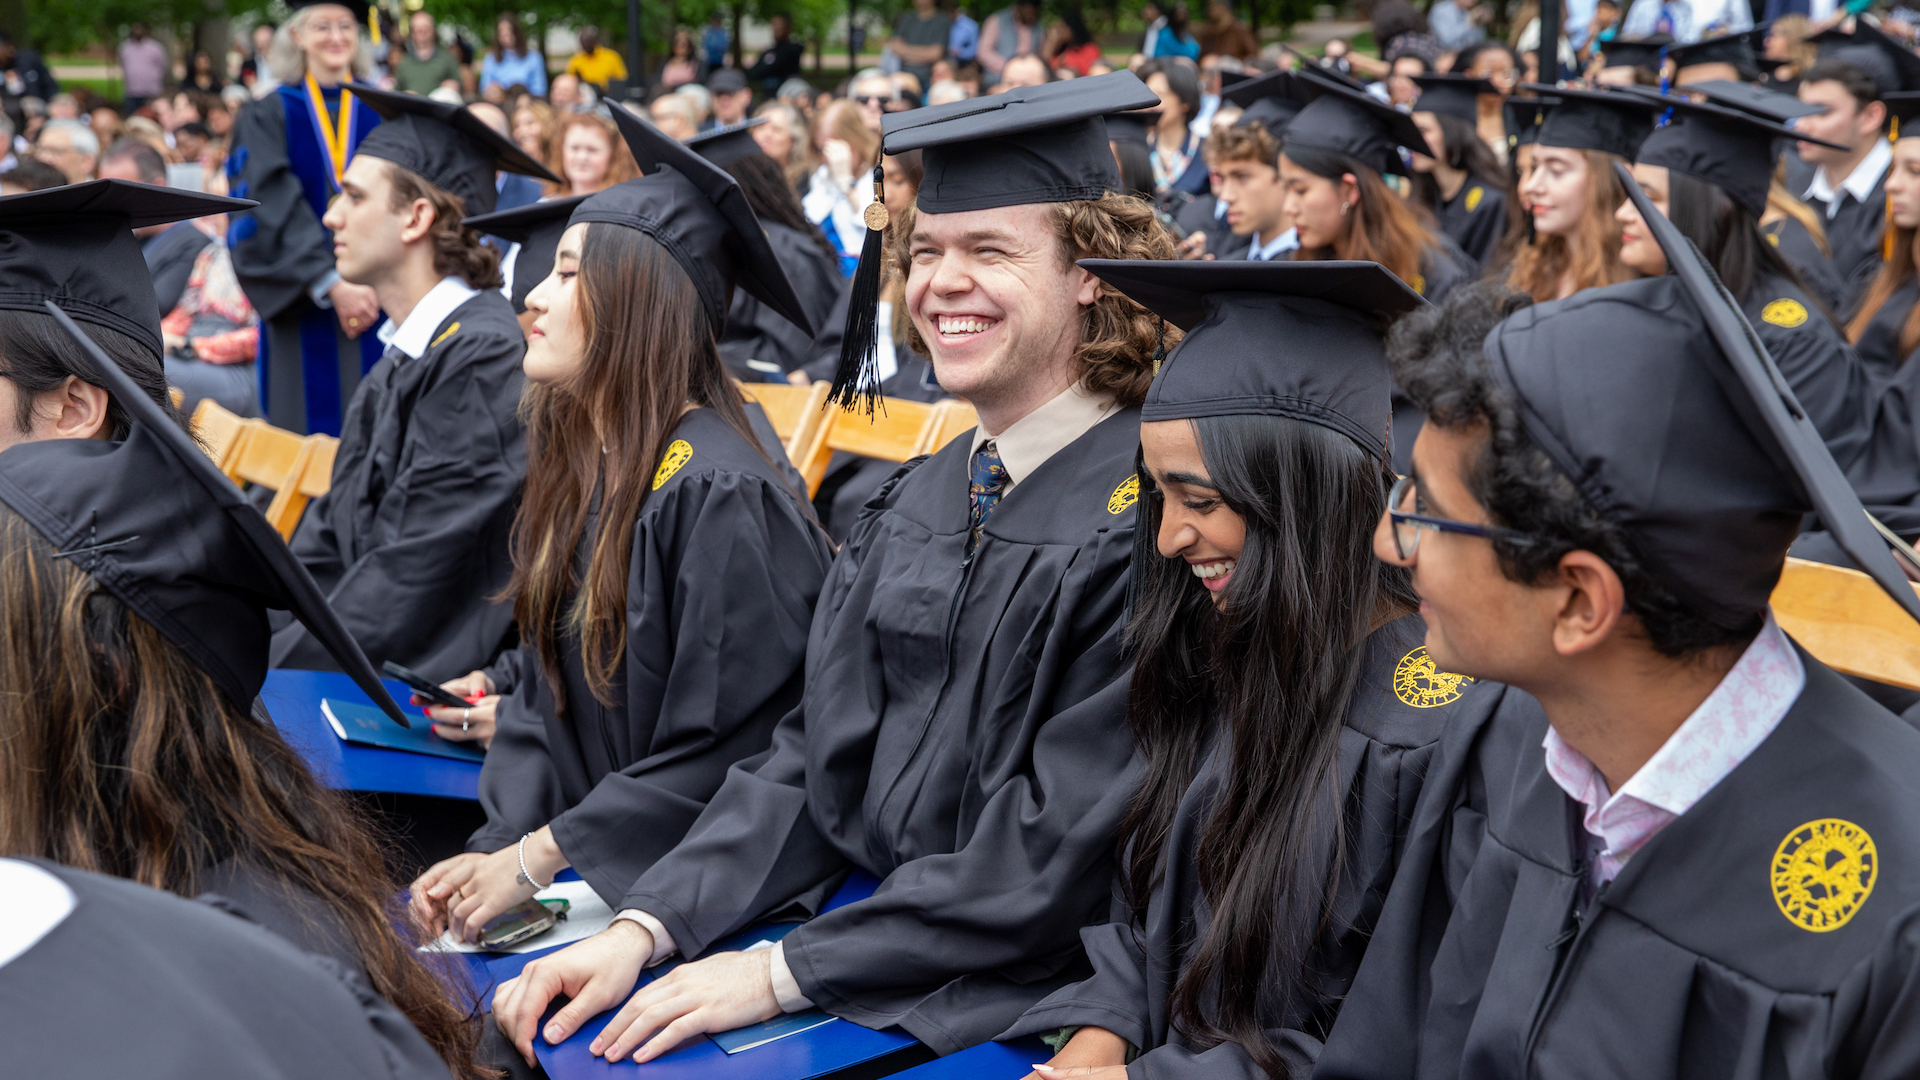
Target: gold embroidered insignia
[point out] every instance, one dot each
(1124, 495)
(1417, 682)
(678, 453)
(444, 335)
(1784, 312)
(1773, 239)
(1419, 284)
(1823, 872)
(1474, 195)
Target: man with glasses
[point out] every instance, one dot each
(70, 146)
(1688, 848)
(875, 94)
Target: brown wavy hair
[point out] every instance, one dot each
(457, 250)
(1380, 227)
(1117, 336)
(1896, 271)
(1593, 255)
(119, 755)
(649, 352)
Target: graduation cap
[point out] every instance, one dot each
(1271, 100)
(536, 227)
(1295, 339)
(446, 145)
(1606, 120)
(1231, 79)
(1354, 123)
(157, 524)
(1657, 401)
(1452, 95)
(695, 210)
(1642, 52)
(1903, 106)
(74, 244)
(725, 145)
(1133, 127)
(1761, 101)
(1732, 150)
(1032, 144)
(1891, 65)
(1523, 116)
(1735, 49)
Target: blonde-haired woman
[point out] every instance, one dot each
(1573, 193)
(588, 151)
(786, 141)
(289, 151)
(840, 189)
(534, 122)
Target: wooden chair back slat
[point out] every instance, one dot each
(949, 419)
(1842, 617)
(893, 433)
(218, 430)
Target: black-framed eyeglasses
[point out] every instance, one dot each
(1407, 524)
(874, 99)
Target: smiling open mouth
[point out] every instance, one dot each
(960, 325)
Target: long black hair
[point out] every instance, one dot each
(1271, 670)
(1727, 234)
(1466, 151)
(764, 183)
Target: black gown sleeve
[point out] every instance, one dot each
(1482, 226)
(1875, 1030)
(279, 248)
(1826, 375)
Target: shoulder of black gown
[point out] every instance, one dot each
(1083, 490)
(702, 446)
(278, 248)
(1822, 369)
(484, 321)
(190, 991)
(815, 275)
(283, 907)
(1443, 267)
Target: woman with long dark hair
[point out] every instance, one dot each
(1179, 167)
(664, 570)
(1283, 704)
(1708, 170)
(1456, 175)
(1573, 191)
(1885, 329)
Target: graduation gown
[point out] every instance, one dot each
(962, 737)
(1475, 218)
(1814, 266)
(1886, 473)
(725, 569)
(1855, 232)
(1823, 370)
(1386, 744)
(1197, 214)
(410, 544)
(1879, 344)
(1715, 952)
(138, 982)
(760, 345)
(308, 366)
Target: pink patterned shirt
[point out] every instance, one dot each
(1734, 720)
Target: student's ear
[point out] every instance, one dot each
(1595, 603)
(76, 409)
(420, 219)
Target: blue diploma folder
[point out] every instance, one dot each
(368, 726)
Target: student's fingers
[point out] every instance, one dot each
(594, 996)
(675, 1033)
(650, 1006)
(518, 1003)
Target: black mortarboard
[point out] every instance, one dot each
(1452, 95)
(725, 145)
(74, 244)
(1643, 52)
(536, 227)
(1354, 123)
(1033, 144)
(1762, 101)
(1904, 107)
(446, 145)
(1523, 116)
(1657, 401)
(1271, 100)
(157, 524)
(1732, 150)
(1888, 63)
(1133, 127)
(1604, 120)
(695, 210)
(1297, 339)
(1735, 49)
(1231, 79)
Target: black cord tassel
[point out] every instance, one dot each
(856, 380)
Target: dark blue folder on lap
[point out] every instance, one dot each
(368, 726)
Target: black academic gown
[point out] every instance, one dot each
(1823, 371)
(1879, 344)
(1886, 473)
(138, 982)
(1475, 218)
(963, 737)
(1486, 964)
(410, 544)
(760, 345)
(1855, 231)
(1815, 267)
(725, 569)
(1196, 214)
(1386, 744)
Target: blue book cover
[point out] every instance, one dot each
(366, 725)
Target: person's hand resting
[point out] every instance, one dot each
(355, 306)
(596, 973)
(462, 894)
(720, 993)
(472, 723)
(1093, 1051)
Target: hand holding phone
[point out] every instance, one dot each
(427, 691)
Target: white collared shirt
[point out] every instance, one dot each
(413, 336)
(1859, 183)
(1273, 249)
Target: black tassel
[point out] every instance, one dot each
(856, 380)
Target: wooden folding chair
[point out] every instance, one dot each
(949, 419)
(1842, 617)
(174, 395)
(312, 478)
(218, 431)
(893, 433)
(796, 412)
(266, 456)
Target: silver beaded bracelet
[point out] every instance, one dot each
(526, 878)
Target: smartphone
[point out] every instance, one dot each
(527, 919)
(422, 687)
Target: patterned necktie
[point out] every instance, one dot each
(985, 485)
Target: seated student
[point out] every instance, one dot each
(1723, 57)
(136, 580)
(531, 233)
(1283, 703)
(194, 991)
(1697, 856)
(664, 570)
(1886, 327)
(1246, 168)
(1572, 192)
(410, 543)
(1708, 170)
(1455, 174)
(962, 731)
(759, 344)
